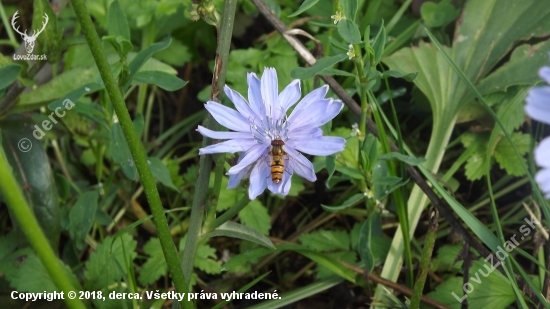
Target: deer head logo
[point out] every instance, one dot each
(29, 40)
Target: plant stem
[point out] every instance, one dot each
(205, 164)
(229, 214)
(429, 243)
(136, 148)
(25, 217)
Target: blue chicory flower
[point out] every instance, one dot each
(262, 119)
(538, 108)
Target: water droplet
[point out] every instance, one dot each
(87, 88)
(130, 162)
(148, 162)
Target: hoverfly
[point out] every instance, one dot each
(277, 165)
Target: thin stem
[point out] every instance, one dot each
(229, 214)
(136, 148)
(205, 164)
(26, 219)
(429, 243)
(12, 40)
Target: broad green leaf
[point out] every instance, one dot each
(31, 276)
(155, 266)
(333, 72)
(378, 44)
(349, 32)
(101, 268)
(145, 54)
(236, 230)
(9, 74)
(58, 87)
(120, 151)
(116, 21)
(48, 40)
(373, 245)
(246, 257)
(438, 14)
(32, 169)
(446, 258)
(521, 69)
(161, 172)
(326, 240)
(317, 67)
(397, 74)
(353, 200)
(81, 217)
(344, 256)
(401, 157)
(351, 172)
(164, 80)
(205, 260)
(476, 163)
(506, 157)
(304, 7)
(350, 9)
(255, 216)
(493, 291)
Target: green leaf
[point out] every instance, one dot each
(205, 260)
(350, 9)
(446, 257)
(116, 21)
(145, 54)
(349, 32)
(121, 152)
(307, 4)
(326, 240)
(317, 67)
(378, 44)
(155, 266)
(475, 166)
(81, 217)
(521, 69)
(353, 200)
(493, 291)
(242, 290)
(402, 157)
(438, 14)
(161, 172)
(74, 96)
(343, 256)
(255, 216)
(8, 74)
(101, 269)
(246, 257)
(49, 39)
(365, 239)
(58, 87)
(397, 74)
(506, 156)
(236, 230)
(351, 172)
(164, 80)
(32, 277)
(333, 72)
(32, 169)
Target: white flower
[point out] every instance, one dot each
(338, 16)
(263, 119)
(351, 52)
(538, 108)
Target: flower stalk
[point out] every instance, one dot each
(136, 148)
(26, 219)
(205, 163)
